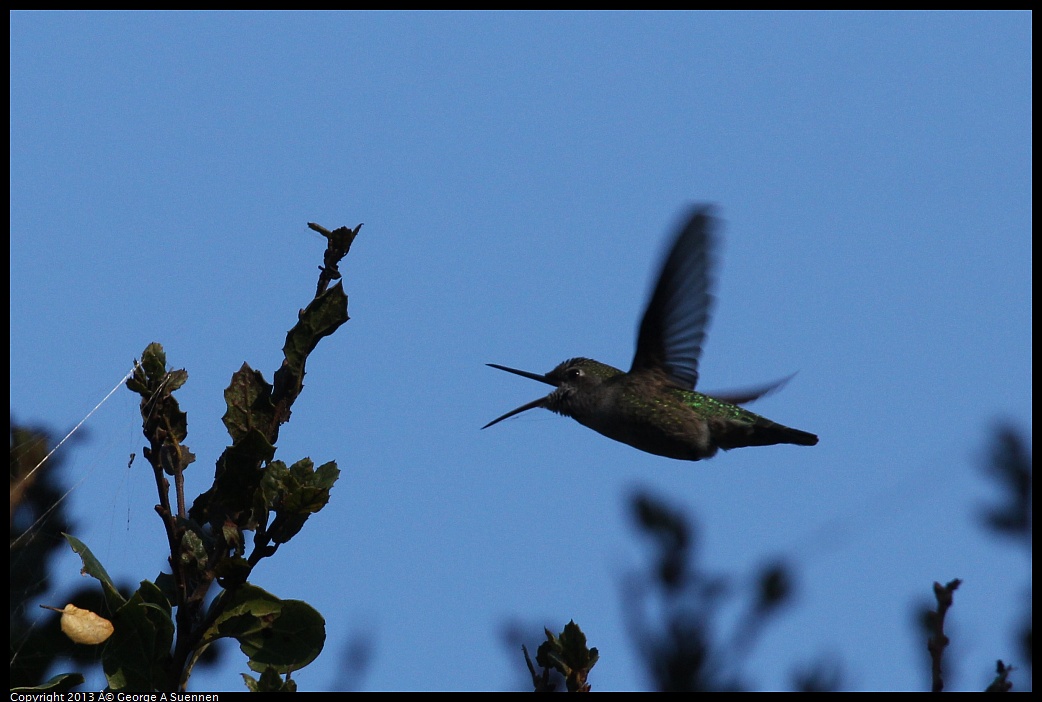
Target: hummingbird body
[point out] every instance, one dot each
(654, 406)
(649, 411)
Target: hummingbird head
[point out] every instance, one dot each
(572, 378)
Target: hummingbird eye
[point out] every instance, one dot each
(575, 372)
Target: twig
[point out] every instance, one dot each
(338, 243)
(938, 642)
(1001, 682)
(540, 682)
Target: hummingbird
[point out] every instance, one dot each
(654, 406)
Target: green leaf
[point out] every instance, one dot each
(573, 647)
(153, 361)
(193, 552)
(296, 494)
(175, 379)
(238, 477)
(59, 683)
(167, 585)
(270, 681)
(138, 656)
(273, 483)
(137, 384)
(285, 635)
(321, 318)
(291, 642)
(232, 572)
(248, 397)
(92, 567)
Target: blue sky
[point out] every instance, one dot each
(518, 174)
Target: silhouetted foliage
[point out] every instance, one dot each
(1009, 465)
(675, 608)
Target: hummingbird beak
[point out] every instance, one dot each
(525, 374)
(541, 402)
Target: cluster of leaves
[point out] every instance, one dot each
(568, 655)
(682, 646)
(162, 628)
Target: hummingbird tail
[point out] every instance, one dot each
(763, 432)
(800, 438)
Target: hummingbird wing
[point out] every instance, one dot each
(673, 328)
(747, 395)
